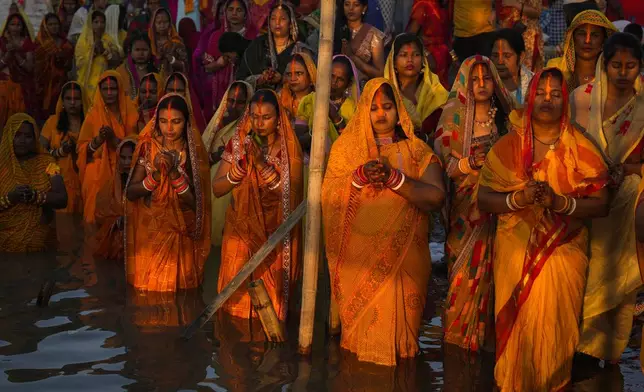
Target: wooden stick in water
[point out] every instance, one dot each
(264, 307)
(246, 270)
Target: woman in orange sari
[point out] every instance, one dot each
(379, 187)
(111, 118)
(472, 121)
(541, 180)
(168, 48)
(149, 93)
(30, 188)
(167, 215)
(109, 206)
(262, 167)
(60, 136)
(54, 56)
(299, 81)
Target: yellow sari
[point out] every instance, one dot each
(430, 94)
(90, 67)
(468, 319)
(539, 262)
(68, 167)
(613, 274)
(566, 63)
(376, 241)
(215, 137)
(24, 227)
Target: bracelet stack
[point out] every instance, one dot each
(236, 174)
(396, 180)
(464, 166)
(5, 203)
(92, 146)
(570, 205)
(511, 202)
(41, 198)
(180, 185)
(270, 176)
(360, 179)
(58, 152)
(149, 183)
(472, 163)
(340, 124)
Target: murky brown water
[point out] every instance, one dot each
(97, 335)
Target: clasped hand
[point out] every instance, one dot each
(539, 193)
(22, 194)
(166, 162)
(377, 172)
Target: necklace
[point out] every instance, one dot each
(490, 114)
(552, 145)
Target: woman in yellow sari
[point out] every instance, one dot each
(59, 137)
(262, 167)
(611, 112)
(112, 118)
(30, 188)
(168, 209)
(95, 52)
(582, 47)
(220, 130)
(380, 185)
(541, 180)
(408, 70)
(473, 120)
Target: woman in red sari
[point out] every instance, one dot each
(16, 68)
(213, 70)
(54, 54)
(542, 181)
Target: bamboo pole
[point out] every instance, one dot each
(246, 270)
(316, 172)
(264, 308)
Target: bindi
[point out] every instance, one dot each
(147, 88)
(548, 86)
(379, 103)
(480, 73)
(588, 31)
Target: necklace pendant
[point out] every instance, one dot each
(552, 147)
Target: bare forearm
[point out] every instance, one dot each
(425, 197)
(221, 186)
(187, 199)
(493, 202)
(136, 191)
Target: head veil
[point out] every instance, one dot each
(286, 97)
(455, 128)
(211, 135)
(191, 97)
(28, 28)
(432, 93)
(174, 35)
(59, 103)
(354, 88)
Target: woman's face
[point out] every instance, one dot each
(109, 91)
(98, 25)
(409, 61)
(623, 69)
(148, 93)
(162, 23)
(236, 101)
(176, 85)
(280, 23)
(297, 77)
(235, 13)
(505, 59)
(125, 157)
(24, 142)
(53, 26)
(69, 6)
(548, 101)
(263, 118)
(481, 82)
(354, 10)
(384, 114)
(15, 26)
(339, 79)
(172, 123)
(141, 52)
(72, 101)
(589, 40)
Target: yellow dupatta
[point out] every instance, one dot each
(566, 63)
(25, 19)
(431, 94)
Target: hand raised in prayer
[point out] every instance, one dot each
(479, 155)
(256, 153)
(216, 156)
(545, 196)
(68, 146)
(163, 162)
(19, 194)
(373, 172)
(530, 192)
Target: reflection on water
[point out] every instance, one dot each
(96, 334)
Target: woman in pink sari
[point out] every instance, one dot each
(209, 66)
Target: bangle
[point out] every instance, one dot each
(236, 174)
(508, 202)
(472, 163)
(513, 200)
(573, 206)
(453, 55)
(178, 182)
(400, 182)
(5, 203)
(149, 183)
(464, 166)
(91, 146)
(394, 179)
(183, 188)
(230, 180)
(274, 185)
(359, 179)
(565, 207)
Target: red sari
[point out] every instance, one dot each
(435, 34)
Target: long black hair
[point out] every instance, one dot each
(266, 96)
(63, 119)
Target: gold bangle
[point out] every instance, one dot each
(513, 201)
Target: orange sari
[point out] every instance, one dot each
(376, 241)
(174, 45)
(52, 64)
(166, 247)
(96, 173)
(68, 167)
(109, 213)
(255, 213)
(540, 261)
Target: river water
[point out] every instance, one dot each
(96, 334)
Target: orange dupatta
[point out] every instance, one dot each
(288, 100)
(173, 35)
(96, 173)
(376, 241)
(191, 98)
(68, 167)
(255, 212)
(165, 246)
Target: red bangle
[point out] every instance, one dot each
(181, 189)
(149, 183)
